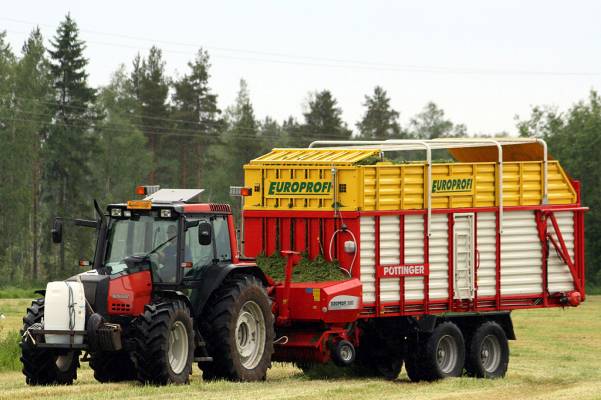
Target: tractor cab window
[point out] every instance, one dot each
(196, 253)
(222, 239)
(202, 255)
(144, 237)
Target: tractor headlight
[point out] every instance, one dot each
(116, 212)
(165, 213)
(127, 213)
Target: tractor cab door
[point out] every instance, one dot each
(198, 256)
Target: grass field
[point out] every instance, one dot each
(557, 355)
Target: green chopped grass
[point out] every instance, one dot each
(307, 270)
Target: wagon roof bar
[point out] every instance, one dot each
(447, 143)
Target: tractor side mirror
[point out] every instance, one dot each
(57, 230)
(204, 233)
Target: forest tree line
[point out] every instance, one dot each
(64, 143)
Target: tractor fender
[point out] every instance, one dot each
(211, 279)
(174, 295)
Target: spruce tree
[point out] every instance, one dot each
(380, 121)
(242, 141)
(70, 144)
(293, 133)
(271, 134)
(150, 85)
(33, 84)
(7, 159)
(198, 121)
(123, 158)
(323, 119)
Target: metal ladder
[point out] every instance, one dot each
(463, 273)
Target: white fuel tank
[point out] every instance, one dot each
(64, 307)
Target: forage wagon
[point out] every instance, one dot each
(432, 256)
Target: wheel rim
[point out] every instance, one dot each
(490, 353)
(346, 354)
(178, 347)
(250, 334)
(446, 354)
(63, 362)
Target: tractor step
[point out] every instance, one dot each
(203, 359)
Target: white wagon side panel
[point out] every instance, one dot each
(521, 254)
(390, 243)
(487, 248)
(367, 258)
(439, 257)
(414, 254)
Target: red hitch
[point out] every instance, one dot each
(292, 258)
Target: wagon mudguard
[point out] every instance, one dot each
(466, 321)
(211, 278)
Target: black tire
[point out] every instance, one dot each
(237, 297)
(43, 366)
(375, 359)
(412, 368)
(152, 336)
(343, 353)
(437, 356)
(114, 366)
(487, 352)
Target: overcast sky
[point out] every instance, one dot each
(482, 62)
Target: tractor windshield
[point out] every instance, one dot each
(144, 236)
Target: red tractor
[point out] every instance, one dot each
(167, 290)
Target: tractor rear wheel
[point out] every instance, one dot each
(164, 343)
(239, 328)
(114, 366)
(42, 366)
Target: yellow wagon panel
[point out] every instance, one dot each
(325, 179)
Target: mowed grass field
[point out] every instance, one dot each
(557, 356)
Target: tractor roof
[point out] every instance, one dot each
(173, 195)
(178, 199)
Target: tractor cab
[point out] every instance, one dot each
(167, 235)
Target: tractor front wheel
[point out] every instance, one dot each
(43, 366)
(164, 343)
(114, 366)
(239, 327)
